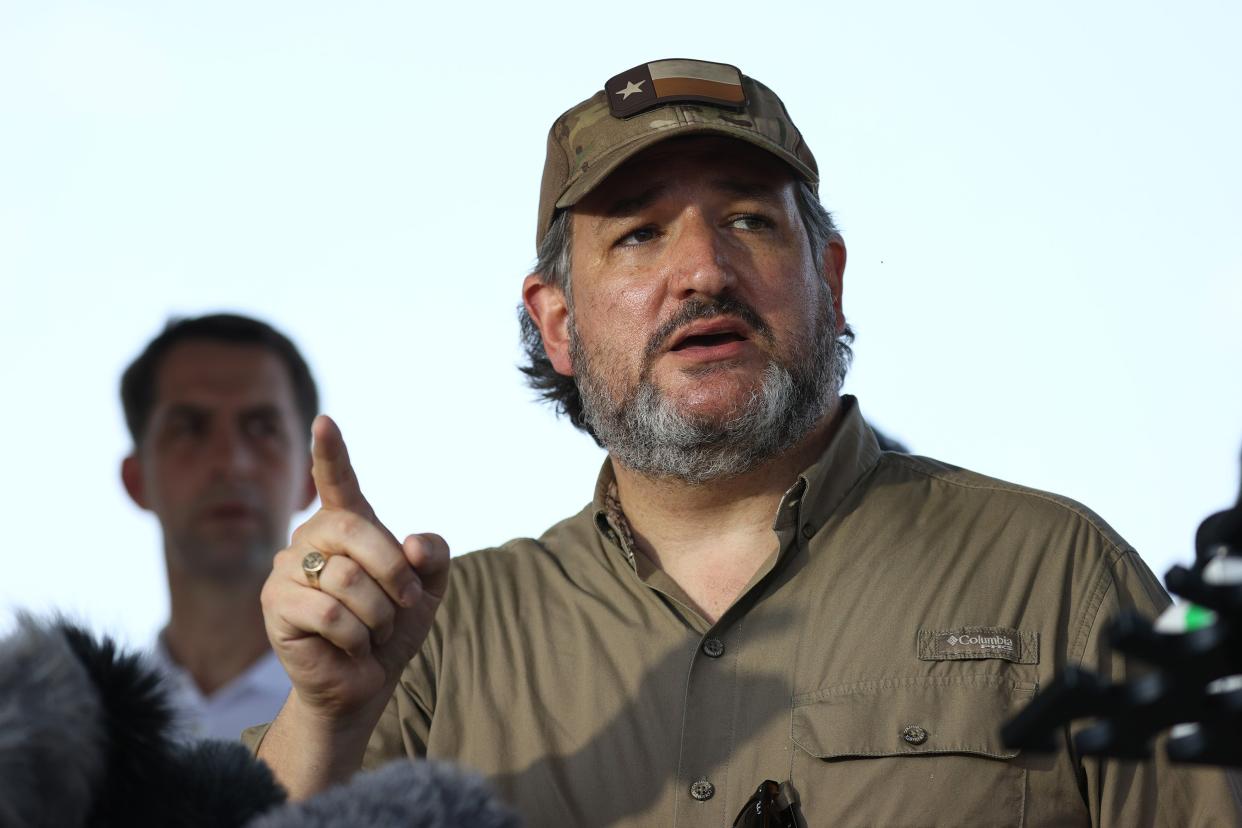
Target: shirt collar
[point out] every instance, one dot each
(266, 673)
(851, 454)
(609, 519)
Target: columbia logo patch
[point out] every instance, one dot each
(979, 642)
(986, 642)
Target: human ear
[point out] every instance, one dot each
(550, 312)
(834, 275)
(133, 480)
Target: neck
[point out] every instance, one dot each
(215, 630)
(711, 538)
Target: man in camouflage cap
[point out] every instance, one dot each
(760, 610)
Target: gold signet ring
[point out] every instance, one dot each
(312, 564)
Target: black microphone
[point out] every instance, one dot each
(1221, 533)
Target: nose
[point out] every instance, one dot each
(700, 259)
(229, 453)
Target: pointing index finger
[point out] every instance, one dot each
(333, 473)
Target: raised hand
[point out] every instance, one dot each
(345, 641)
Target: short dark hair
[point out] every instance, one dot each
(138, 381)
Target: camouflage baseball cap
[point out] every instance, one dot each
(653, 102)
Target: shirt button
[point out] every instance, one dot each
(807, 531)
(702, 790)
(914, 734)
(713, 647)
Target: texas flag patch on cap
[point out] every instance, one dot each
(674, 81)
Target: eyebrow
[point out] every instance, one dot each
(629, 205)
(266, 411)
(196, 410)
(183, 408)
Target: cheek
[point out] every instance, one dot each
(295, 485)
(169, 485)
(629, 295)
(795, 320)
(279, 474)
(613, 322)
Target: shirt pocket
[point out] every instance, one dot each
(909, 752)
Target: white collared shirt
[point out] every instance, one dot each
(254, 697)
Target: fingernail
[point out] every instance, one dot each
(409, 594)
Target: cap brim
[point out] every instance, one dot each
(593, 177)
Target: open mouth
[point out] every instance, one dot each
(707, 340)
(708, 334)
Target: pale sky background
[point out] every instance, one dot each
(1041, 202)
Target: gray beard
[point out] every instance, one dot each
(645, 432)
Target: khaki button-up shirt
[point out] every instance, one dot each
(907, 610)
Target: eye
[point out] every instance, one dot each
(750, 221)
(261, 425)
(186, 424)
(635, 237)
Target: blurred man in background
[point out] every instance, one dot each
(220, 409)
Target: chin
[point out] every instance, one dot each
(233, 559)
(715, 399)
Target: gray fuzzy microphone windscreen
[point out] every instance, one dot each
(402, 794)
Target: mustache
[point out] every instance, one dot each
(699, 308)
